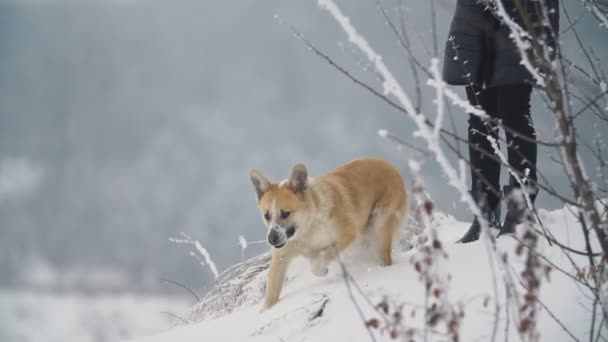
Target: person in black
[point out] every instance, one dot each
(480, 55)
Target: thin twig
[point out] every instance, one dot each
(354, 301)
(589, 104)
(557, 320)
(175, 316)
(185, 287)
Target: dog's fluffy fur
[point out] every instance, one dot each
(319, 217)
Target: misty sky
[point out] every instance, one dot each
(124, 123)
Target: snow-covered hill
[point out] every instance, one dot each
(326, 309)
(35, 316)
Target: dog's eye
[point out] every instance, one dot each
(267, 216)
(285, 214)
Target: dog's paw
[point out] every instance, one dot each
(319, 271)
(269, 302)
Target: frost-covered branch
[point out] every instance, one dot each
(522, 39)
(203, 256)
(402, 143)
(599, 9)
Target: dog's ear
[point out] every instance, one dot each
(260, 183)
(298, 180)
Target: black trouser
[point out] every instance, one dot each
(511, 105)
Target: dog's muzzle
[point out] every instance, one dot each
(290, 231)
(278, 236)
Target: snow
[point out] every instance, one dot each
(54, 316)
(294, 318)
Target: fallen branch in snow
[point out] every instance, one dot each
(317, 304)
(318, 312)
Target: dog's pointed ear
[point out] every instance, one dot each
(298, 180)
(260, 183)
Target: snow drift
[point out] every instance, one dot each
(337, 309)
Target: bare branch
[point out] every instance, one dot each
(197, 298)
(176, 317)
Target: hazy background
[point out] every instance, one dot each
(124, 123)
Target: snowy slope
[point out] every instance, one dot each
(34, 316)
(292, 319)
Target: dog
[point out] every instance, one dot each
(319, 217)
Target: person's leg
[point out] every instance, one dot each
(485, 171)
(514, 110)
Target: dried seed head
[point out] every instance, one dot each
(436, 244)
(383, 305)
(394, 334)
(372, 323)
(428, 207)
(433, 319)
(486, 301)
(524, 325)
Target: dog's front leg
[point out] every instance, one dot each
(276, 277)
(318, 265)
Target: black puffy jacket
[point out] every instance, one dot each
(479, 49)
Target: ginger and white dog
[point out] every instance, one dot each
(319, 217)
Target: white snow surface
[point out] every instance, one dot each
(36, 316)
(471, 285)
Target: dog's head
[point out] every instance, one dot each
(283, 205)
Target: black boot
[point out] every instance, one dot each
(492, 215)
(517, 207)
